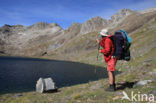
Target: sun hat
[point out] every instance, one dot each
(104, 32)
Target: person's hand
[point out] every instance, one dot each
(97, 40)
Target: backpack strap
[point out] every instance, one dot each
(128, 38)
(123, 34)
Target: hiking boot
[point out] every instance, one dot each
(111, 88)
(114, 87)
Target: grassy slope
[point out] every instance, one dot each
(143, 48)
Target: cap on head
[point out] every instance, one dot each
(104, 32)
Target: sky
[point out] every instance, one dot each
(64, 12)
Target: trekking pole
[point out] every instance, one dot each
(98, 51)
(98, 48)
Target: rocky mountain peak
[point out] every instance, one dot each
(73, 29)
(40, 25)
(118, 17)
(97, 19)
(125, 11)
(94, 24)
(43, 25)
(73, 26)
(6, 25)
(6, 30)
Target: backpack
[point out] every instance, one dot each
(122, 44)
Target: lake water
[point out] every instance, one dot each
(20, 74)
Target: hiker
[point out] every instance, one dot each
(108, 48)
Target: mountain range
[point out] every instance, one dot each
(49, 40)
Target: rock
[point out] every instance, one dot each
(116, 98)
(150, 59)
(96, 86)
(39, 86)
(44, 53)
(78, 101)
(142, 83)
(2, 52)
(152, 92)
(154, 73)
(49, 84)
(45, 85)
(89, 100)
(17, 95)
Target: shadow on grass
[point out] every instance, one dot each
(125, 85)
(20, 74)
(53, 91)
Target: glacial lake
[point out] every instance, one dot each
(20, 74)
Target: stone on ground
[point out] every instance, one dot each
(45, 85)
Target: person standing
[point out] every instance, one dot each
(108, 48)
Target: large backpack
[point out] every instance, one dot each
(122, 44)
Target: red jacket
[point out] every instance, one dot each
(108, 47)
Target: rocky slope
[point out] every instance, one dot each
(147, 10)
(119, 17)
(16, 40)
(94, 24)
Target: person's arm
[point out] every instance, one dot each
(107, 49)
(97, 40)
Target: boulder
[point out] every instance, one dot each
(154, 73)
(142, 83)
(45, 85)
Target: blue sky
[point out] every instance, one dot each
(64, 12)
